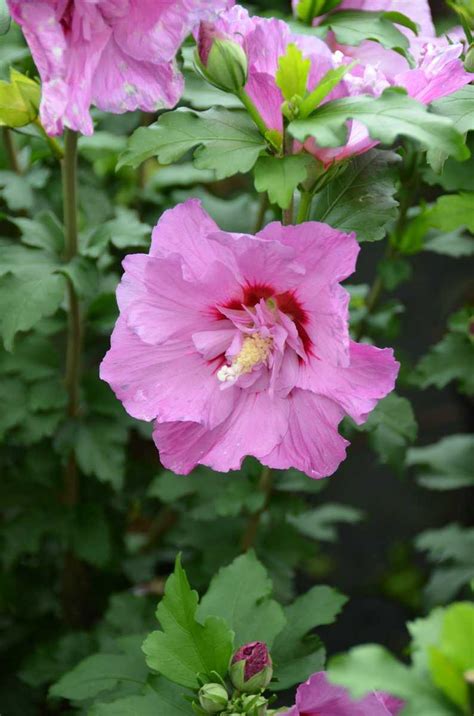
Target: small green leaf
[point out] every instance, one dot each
(297, 655)
(459, 107)
(19, 99)
(165, 698)
(324, 87)
(292, 73)
(186, 648)
(391, 115)
(100, 450)
(393, 427)
(240, 594)
(5, 20)
(320, 522)
(446, 464)
(279, 176)
(226, 141)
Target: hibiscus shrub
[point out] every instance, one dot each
(187, 190)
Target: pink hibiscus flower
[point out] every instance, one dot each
(318, 697)
(115, 54)
(439, 71)
(239, 345)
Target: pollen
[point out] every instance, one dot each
(255, 350)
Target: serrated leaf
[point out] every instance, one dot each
(186, 648)
(320, 523)
(362, 197)
(324, 87)
(451, 358)
(393, 427)
(292, 73)
(352, 27)
(165, 698)
(446, 464)
(24, 300)
(240, 594)
(225, 141)
(99, 673)
(459, 107)
(100, 450)
(388, 117)
(42, 232)
(453, 547)
(295, 655)
(279, 176)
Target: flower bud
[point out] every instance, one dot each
(251, 668)
(220, 60)
(213, 698)
(255, 705)
(469, 61)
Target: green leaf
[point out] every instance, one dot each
(454, 656)
(450, 359)
(392, 426)
(324, 87)
(307, 10)
(42, 232)
(240, 594)
(226, 141)
(165, 698)
(372, 668)
(100, 450)
(452, 211)
(99, 673)
(296, 656)
(24, 300)
(83, 274)
(19, 99)
(459, 107)
(352, 27)
(91, 537)
(446, 464)
(362, 197)
(292, 73)
(279, 176)
(453, 244)
(169, 487)
(186, 648)
(320, 523)
(454, 546)
(5, 20)
(392, 115)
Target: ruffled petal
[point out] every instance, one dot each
(357, 388)
(256, 424)
(312, 443)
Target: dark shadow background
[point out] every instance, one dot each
(374, 562)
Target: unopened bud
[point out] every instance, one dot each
(255, 705)
(307, 11)
(251, 668)
(469, 61)
(220, 60)
(213, 698)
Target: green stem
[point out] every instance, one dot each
(265, 486)
(311, 13)
(10, 149)
(53, 143)
(287, 214)
(74, 334)
(306, 199)
(253, 111)
(262, 210)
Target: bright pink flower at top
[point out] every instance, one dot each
(239, 345)
(115, 54)
(265, 41)
(318, 697)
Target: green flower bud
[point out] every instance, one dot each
(251, 668)
(220, 60)
(213, 698)
(255, 705)
(469, 61)
(307, 10)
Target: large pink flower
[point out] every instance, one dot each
(318, 697)
(239, 345)
(115, 54)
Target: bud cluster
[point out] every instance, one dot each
(250, 672)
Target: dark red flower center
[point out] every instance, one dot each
(66, 18)
(287, 302)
